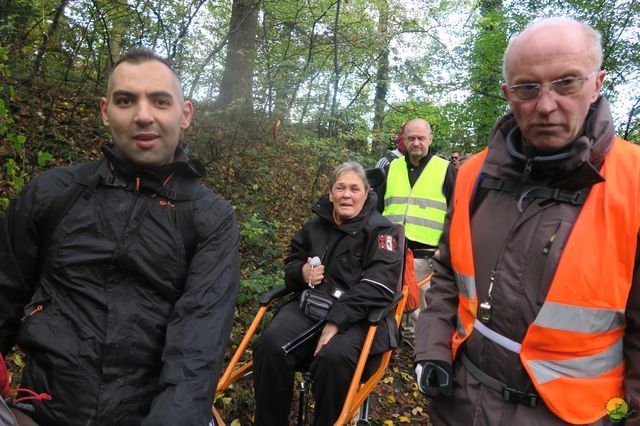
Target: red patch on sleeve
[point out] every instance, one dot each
(387, 242)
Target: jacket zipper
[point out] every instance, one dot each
(37, 309)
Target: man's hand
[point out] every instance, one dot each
(328, 332)
(435, 378)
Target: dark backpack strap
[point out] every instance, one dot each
(184, 192)
(532, 191)
(85, 180)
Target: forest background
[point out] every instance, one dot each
(284, 90)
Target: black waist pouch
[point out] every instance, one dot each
(315, 303)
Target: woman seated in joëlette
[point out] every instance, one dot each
(360, 258)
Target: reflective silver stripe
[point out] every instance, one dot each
(578, 318)
(424, 222)
(396, 218)
(496, 337)
(395, 200)
(377, 284)
(580, 368)
(466, 285)
(461, 331)
(420, 202)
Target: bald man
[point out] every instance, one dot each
(416, 194)
(534, 311)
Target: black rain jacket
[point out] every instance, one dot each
(117, 325)
(361, 257)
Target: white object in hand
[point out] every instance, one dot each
(313, 262)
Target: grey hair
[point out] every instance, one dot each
(592, 36)
(350, 166)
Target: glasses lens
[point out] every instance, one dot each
(567, 86)
(526, 92)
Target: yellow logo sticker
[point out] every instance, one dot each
(618, 410)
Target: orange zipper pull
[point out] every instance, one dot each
(36, 310)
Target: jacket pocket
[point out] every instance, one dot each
(45, 336)
(32, 313)
(34, 308)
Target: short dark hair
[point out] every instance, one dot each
(139, 55)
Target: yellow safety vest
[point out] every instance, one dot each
(421, 209)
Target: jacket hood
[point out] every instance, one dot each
(324, 209)
(182, 164)
(573, 167)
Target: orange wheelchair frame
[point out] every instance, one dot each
(359, 390)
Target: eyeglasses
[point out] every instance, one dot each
(453, 157)
(563, 87)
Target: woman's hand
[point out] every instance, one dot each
(328, 332)
(312, 276)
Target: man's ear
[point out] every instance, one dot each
(600, 75)
(505, 91)
(187, 114)
(103, 111)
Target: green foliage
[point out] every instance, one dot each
(16, 176)
(14, 172)
(489, 40)
(259, 249)
(258, 236)
(43, 157)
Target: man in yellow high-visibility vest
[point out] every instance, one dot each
(417, 193)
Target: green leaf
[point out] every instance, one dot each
(17, 360)
(43, 157)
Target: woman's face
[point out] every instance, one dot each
(348, 195)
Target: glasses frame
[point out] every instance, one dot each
(552, 86)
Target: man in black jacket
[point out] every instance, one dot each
(122, 321)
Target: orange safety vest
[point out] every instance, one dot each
(573, 351)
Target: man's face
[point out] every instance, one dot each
(545, 54)
(145, 112)
(417, 138)
(455, 158)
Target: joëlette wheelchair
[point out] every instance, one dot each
(355, 408)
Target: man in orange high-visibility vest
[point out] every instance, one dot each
(533, 315)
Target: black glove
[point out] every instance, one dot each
(435, 379)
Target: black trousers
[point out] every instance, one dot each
(331, 369)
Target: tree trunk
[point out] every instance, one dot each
(235, 89)
(336, 73)
(45, 41)
(382, 79)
